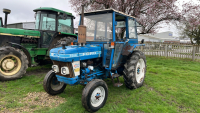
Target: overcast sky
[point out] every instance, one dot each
(22, 10)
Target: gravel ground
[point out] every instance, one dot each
(35, 101)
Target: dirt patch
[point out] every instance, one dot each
(35, 101)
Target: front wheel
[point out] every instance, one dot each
(94, 95)
(51, 85)
(135, 70)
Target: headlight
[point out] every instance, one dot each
(64, 70)
(55, 68)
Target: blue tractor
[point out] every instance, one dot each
(105, 48)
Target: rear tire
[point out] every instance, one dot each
(94, 95)
(51, 85)
(135, 70)
(13, 63)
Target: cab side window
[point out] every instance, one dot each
(132, 30)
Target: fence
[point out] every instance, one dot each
(171, 50)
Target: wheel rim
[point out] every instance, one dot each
(98, 96)
(56, 85)
(10, 65)
(140, 70)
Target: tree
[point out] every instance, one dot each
(149, 13)
(190, 22)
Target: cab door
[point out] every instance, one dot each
(112, 50)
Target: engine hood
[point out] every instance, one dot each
(19, 32)
(75, 53)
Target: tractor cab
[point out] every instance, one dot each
(115, 32)
(54, 20)
(51, 21)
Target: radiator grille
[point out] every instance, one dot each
(64, 64)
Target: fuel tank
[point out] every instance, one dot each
(75, 53)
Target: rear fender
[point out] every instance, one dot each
(129, 48)
(24, 50)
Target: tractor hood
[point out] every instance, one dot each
(19, 32)
(75, 53)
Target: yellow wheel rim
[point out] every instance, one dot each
(10, 65)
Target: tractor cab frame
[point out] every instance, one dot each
(52, 22)
(115, 32)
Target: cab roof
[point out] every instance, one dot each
(52, 9)
(106, 11)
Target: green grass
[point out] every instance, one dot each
(171, 85)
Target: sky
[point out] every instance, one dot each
(22, 11)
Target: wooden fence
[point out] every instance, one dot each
(172, 50)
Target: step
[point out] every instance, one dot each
(115, 75)
(117, 84)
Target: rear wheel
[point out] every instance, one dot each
(94, 95)
(13, 63)
(51, 85)
(135, 70)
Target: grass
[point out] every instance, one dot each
(171, 85)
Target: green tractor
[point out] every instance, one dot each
(22, 48)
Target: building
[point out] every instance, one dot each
(166, 37)
(22, 25)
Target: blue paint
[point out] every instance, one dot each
(94, 50)
(87, 71)
(113, 25)
(75, 53)
(127, 28)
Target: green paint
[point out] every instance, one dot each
(12, 31)
(34, 51)
(68, 34)
(52, 9)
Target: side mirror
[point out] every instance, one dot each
(1, 22)
(142, 41)
(35, 15)
(62, 16)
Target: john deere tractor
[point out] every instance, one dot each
(22, 48)
(106, 49)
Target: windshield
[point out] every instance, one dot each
(48, 21)
(65, 25)
(99, 27)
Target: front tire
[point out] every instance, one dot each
(51, 85)
(13, 63)
(94, 95)
(135, 70)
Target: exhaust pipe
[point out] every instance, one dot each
(82, 30)
(6, 11)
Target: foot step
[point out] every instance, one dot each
(117, 84)
(115, 76)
